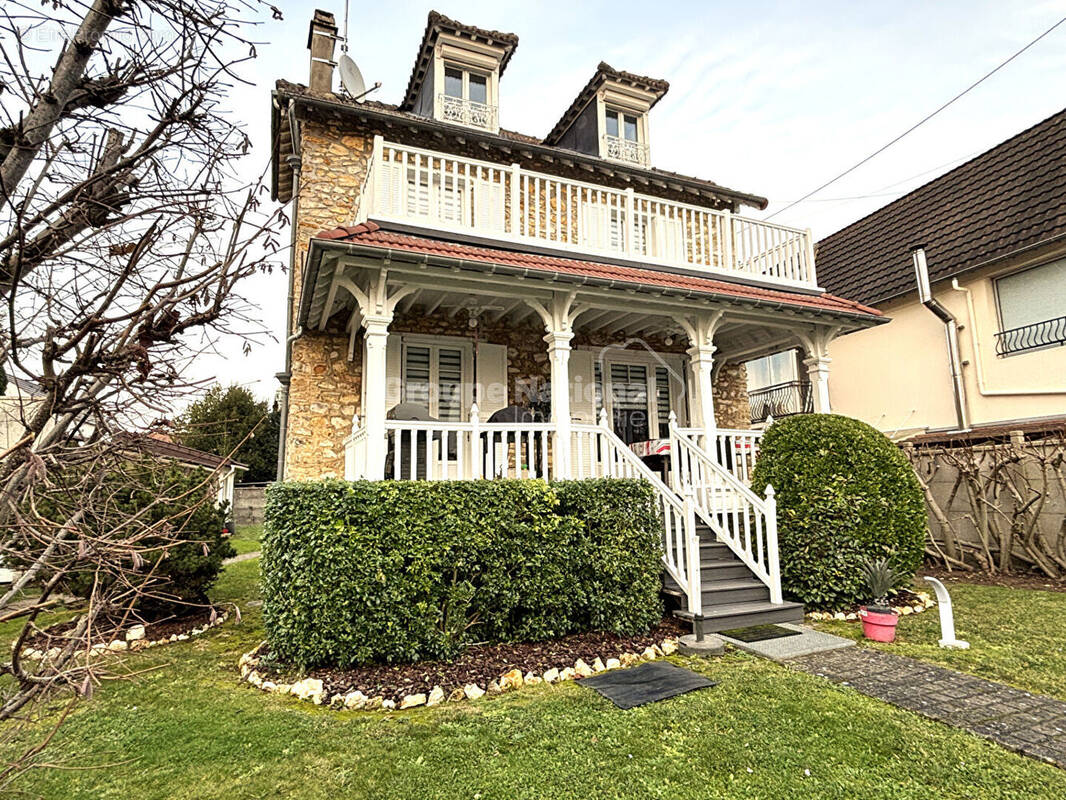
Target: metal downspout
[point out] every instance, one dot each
(951, 331)
(295, 162)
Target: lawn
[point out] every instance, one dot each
(1017, 636)
(246, 538)
(189, 730)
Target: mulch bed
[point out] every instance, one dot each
(109, 627)
(482, 664)
(1013, 581)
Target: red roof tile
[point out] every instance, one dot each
(372, 234)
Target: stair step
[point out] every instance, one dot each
(741, 615)
(728, 592)
(715, 571)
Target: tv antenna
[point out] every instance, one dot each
(351, 77)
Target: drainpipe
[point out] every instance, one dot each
(951, 330)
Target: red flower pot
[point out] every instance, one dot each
(878, 626)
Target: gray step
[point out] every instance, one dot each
(722, 570)
(726, 592)
(741, 615)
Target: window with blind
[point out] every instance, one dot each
(1032, 308)
(629, 402)
(433, 377)
(662, 401)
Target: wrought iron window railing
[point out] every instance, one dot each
(467, 112)
(626, 150)
(1031, 337)
(781, 400)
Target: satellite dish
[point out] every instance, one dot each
(351, 77)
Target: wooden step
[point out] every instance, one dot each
(742, 615)
(738, 590)
(712, 571)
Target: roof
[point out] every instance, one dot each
(372, 234)
(504, 142)
(994, 432)
(24, 386)
(164, 448)
(437, 23)
(604, 72)
(1004, 201)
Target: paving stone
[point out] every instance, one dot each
(1030, 724)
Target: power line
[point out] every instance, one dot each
(920, 122)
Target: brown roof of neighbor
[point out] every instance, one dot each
(1005, 200)
(370, 233)
(435, 24)
(994, 432)
(604, 72)
(282, 172)
(164, 448)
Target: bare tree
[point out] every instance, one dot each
(125, 229)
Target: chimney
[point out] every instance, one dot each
(321, 38)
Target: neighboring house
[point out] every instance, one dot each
(467, 301)
(19, 399)
(162, 447)
(994, 237)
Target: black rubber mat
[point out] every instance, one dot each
(648, 683)
(759, 633)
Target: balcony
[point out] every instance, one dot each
(466, 112)
(780, 400)
(1037, 336)
(439, 191)
(624, 150)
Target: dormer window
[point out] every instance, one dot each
(622, 136)
(466, 98)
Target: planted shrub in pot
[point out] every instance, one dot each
(878, 619)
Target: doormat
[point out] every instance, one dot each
(759, 633)
(648, 683)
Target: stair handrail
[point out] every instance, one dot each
(720, 498)
(681, 546)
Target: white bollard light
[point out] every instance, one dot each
(947, 617)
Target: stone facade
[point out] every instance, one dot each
(324, 390)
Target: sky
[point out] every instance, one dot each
(771, 98)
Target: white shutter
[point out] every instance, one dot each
(582, 387)
(595, 224)
(388, 178)
(667, 238)
(677, 365)
(393, 371)
(488, 206)
(491, 379)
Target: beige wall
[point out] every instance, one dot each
(897, 377)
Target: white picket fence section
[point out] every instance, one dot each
(738, 516)
(414, 186)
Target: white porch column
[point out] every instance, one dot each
(700, 330)
(375, 339)
(559, 358)
(818, 374)
(816, 345)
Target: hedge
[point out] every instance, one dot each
(398, 571)
(845, 494)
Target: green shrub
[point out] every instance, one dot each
(402, 571)
(845, 494)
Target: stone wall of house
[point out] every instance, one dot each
(731, 397)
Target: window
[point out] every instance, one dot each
(622, 125)
(433, 377)
(639, 390)
(629, 399)
(772, 370)
(776, 387)
(466, 98)
(623, 136)
(662, 401)
(1032, 308)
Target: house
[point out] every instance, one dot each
(983, 351)
(162, 447)
(17, 402)
(467, 301)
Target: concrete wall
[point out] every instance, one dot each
(248, 504)
(897, 378)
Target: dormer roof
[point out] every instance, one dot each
(605, 73)
(436, 24)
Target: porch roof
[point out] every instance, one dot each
(373, 235)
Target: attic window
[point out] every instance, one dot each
(623, 136)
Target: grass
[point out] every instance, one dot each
(246, 538)
(189, 730)
(1016, 636)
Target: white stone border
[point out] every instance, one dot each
(925, 602)
(133, 641)
(313, 690)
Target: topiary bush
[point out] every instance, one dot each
(845, 494)
(399, 571)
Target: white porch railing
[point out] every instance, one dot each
(409, 185)
(736, 450)
(738, 516)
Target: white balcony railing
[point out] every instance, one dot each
(466, 112)
(624, 150)
(419, 187)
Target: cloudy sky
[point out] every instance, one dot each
(772, 98)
